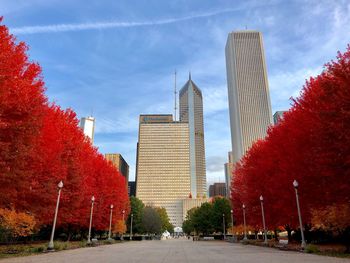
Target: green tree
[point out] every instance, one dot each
(137, 207)
(166, 225)
(221, 206)
(187, 225)
(202, 219)
(151, 221)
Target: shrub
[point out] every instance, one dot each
(311, 249)
(60, 245)
(16, 224)
(37, 249)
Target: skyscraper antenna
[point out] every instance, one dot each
(175, 94)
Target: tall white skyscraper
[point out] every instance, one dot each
(87, 124)
(248, 92)
(191, 111)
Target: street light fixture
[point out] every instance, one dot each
(303, 243)
(51, 245)
(245, 228)
(223, 223)
(122, 237)
(132, 216)
(92, 208)
(110, 224)
(263, 218)
(233, 235)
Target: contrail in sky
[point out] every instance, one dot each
(103, 25)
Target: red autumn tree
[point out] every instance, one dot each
(310, 145)
(22, 103)
(41, 144)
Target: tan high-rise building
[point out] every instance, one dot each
(248, 92)
(119, 163)
(191, 111)
(163, 164)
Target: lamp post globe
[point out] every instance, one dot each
(51, 245)
(295, 184)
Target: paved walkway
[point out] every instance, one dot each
(175, 251)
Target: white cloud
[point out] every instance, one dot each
(123, 122)
(113, 24)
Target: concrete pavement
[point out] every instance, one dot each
(175, 251)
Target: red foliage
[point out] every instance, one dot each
(22, 103)
(311, 145)
(41, 144)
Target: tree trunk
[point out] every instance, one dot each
(289, 231)
(276, 235)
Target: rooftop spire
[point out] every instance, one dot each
(189, 75)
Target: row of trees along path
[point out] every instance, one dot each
(312, 145)
(41, 144)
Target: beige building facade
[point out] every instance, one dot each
(163, 164)
(122, 166)
(190, 203)
(248, 92)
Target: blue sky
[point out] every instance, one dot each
(117, 58)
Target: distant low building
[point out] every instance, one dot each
(190, 203)
(132, 189)
(278, 116)
(119, 163)
(217, 189)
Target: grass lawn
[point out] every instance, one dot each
(18, 250)
(333, 250)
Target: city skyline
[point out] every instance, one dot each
(102, 81)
